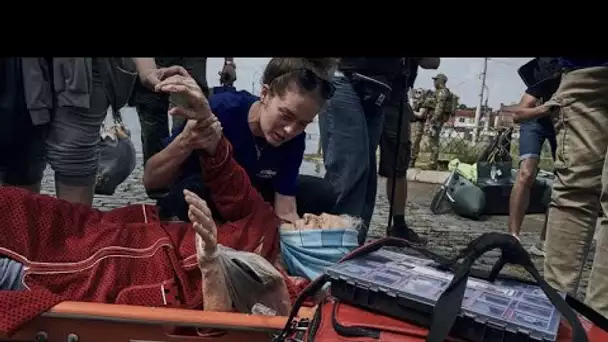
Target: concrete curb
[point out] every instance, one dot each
(413, 175)
(427, 176)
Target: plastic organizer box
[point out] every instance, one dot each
(407, 287)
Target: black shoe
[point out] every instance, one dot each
(404, 232)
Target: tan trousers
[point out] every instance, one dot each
(581, 184)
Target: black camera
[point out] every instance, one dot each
(538, 70)
(370, 91)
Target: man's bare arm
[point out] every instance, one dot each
(429, 62)
(149, 73)
(527, 109)
(165, 166)
(528, 101)
(144, 65)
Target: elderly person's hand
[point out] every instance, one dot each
(188, 97)
(206, 230)
(155, 76)
(201, 135)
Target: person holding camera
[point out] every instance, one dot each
(581, 179)
(532, 135)
(351, 127)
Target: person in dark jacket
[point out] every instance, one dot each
(67, 99)
(22, 132)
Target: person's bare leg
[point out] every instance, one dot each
(400, 194)
(75, 194)
(520, 195)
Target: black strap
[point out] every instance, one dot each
(105, 66)
(449, 303)
(405, 73)
(316, 285)
(593, 316)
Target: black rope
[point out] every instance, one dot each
(405, 73)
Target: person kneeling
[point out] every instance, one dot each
(52, 250)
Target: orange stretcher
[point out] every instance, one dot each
(95, 322)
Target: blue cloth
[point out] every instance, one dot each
(223, 89)
(532, 135)
(350, 133)
(278, 166)
(307, 253)
(11, 274)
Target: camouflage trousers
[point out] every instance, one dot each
(417, 128)
(581, 185)
(434, 134)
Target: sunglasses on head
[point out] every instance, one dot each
(310, 81)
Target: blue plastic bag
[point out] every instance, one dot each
(307, 253)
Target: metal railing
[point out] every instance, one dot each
(456, 142)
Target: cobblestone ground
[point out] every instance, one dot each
(131, 191)
(447, 233)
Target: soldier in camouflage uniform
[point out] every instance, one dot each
(420, 105)
(440, 113)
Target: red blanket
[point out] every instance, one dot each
(126, 256)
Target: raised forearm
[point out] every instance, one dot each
(215, 290)
(164, 167)
(144, 65)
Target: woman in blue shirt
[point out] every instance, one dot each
(267, 134)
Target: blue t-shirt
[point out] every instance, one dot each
(223, 89)
(275, 166)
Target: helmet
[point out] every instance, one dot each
(441, 77)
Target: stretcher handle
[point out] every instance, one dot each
(169, 316)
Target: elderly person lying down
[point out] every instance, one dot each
(52, 250)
